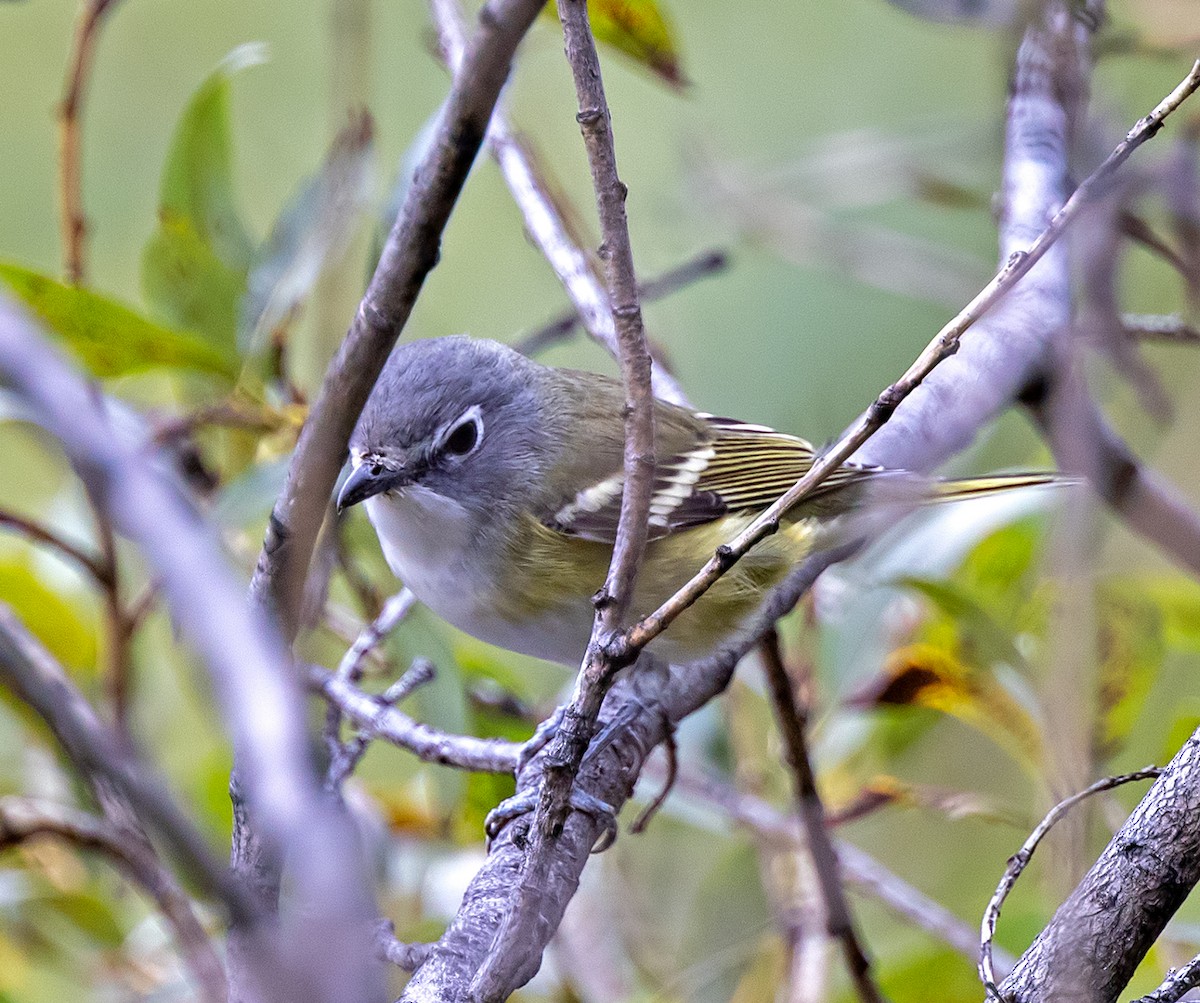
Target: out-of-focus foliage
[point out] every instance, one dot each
(846, 152)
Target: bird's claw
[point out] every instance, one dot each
(524, 802)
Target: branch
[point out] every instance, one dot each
(1084, 443)
(254, 682)
(560, 328)
(545, 223)
(73, 222)
(1099, 935)
(792, 722)
(375, 718)
(1154, 327)
(1176, 985)
(23, 818)
(942, 347)
(1019, 860)
(858, 867)
(343, 758)
(510, 963)
(93, 565)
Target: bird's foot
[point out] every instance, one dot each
(525, 802)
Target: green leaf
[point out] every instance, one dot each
(109, 338)
(982, 638)
(57, 623)
(189, 286)
(194, 267)
(641, 30)
(197, 181)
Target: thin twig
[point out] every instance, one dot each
(73, 222)
(376, 719)
(345, 756)
(792, 721)
(92, 564)
(1018, 861)
(702, 266)
(1178, 982)
(117, 628)
(940, 348)
(342, 757)
(23, 819)
(1159, 327)
(402, 954)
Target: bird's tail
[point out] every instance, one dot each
(974, 486)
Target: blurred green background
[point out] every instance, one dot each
(844, 154)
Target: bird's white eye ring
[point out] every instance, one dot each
(463, 436)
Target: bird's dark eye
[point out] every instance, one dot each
(376, 469)
(462, 440)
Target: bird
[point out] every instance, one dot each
(494, 486)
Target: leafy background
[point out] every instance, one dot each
(845, 155)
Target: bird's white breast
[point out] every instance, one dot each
(439, 550)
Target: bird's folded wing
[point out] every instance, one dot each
(727, 466)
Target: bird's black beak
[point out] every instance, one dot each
(364, 483)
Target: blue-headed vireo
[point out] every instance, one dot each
(494, 484)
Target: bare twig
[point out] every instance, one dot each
(548, 226)
(942, 346)
(509, 963)
(1018, 861)
(73, 222)
(792, 721)
(1157, 327)
(701, 266)
(1176, 985)
(344, 757)
(93, 565)
(23, 818)
(375, 718)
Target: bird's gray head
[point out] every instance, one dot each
(458, 416)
